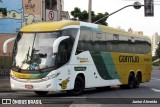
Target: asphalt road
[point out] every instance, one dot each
(96, 98)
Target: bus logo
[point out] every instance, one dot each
(64, 83)
(123, 58)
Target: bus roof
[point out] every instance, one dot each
(48, 26)
(119, 31)
(58, 25)
(102, 28)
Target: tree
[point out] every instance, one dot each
(4, 11)
(158, 51)
(83, 16)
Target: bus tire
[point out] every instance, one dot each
(131, 81)
(41, 92)
(138, 80)
(79, 86)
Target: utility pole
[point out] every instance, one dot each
(89, 11)
(59, 7)
(50, 4)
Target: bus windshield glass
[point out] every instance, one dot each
(34, 51)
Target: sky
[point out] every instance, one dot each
(126, 18)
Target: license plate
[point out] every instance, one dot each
(29, 86)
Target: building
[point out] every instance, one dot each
(135, 32)
(24, 12)
(155, 42)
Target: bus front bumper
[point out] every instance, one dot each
(33, 85)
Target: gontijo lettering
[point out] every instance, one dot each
(123, 58)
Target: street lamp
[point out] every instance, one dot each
(136, 5)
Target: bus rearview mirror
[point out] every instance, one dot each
(57, 42)
(6, 43)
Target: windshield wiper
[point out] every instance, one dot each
(28, 53)
(27, 58)
(16, 68)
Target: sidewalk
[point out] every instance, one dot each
(5, 85)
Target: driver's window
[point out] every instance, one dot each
(62, 57)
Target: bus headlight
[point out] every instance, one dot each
(50, 77)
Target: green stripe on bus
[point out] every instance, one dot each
(107, 58)
(105, 65)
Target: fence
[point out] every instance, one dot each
(5, 65)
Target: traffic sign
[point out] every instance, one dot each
(51, 15)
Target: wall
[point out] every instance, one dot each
(19, 13)
(11, 23)
(32, 11)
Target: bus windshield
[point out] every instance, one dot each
(34, 51)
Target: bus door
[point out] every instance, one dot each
(63, 56)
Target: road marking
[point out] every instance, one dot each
(156, 90)
(81, 97)
(155, 79)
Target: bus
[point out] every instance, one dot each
(73, 55)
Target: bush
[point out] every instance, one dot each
(155, 63)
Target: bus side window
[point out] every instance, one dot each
(115, 42)
(108, 39)
(84, 42)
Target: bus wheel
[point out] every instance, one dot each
(137, 80)
(41, 92)
(131, 81)
(78, 87)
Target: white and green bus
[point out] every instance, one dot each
(74, 55)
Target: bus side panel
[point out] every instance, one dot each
(92, 76)
(126, 63)
(64, 78)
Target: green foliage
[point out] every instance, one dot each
(158, 51)
(83, 16)
(155, 63)
(1, 1)
(4, 11)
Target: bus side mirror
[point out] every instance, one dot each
(57, 42)
(6, 43)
